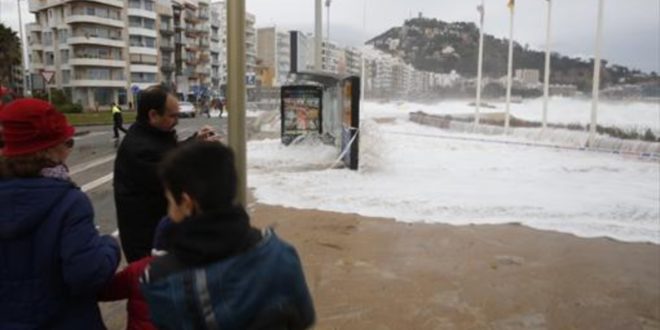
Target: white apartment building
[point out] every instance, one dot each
(219, 46)
(100, 51)
(353, 58)
(84, 44)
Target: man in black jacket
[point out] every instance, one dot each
(139, 198)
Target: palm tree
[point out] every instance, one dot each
(10, 57)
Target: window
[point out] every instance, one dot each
(149, 24)
(66, 76)
(64, 56)
(148, 5)
(63, 36)
(48, 38)
(150, 42)
(50, 58)
(91, 11)
(143, 77)
(134, 4)
(134, 21)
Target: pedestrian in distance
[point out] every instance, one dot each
(139, 199)
(52, 259)
(227, 274)
(118, 120)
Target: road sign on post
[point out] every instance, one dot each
(48, 76)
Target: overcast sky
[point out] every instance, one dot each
(630, 27)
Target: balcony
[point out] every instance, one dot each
(166, 30)
(86, 81)
(167, 68)
(83, 18)
(142, 13)
(166, 47)
(95, 61)
(95, 40)
(190, 17)
(37, 5)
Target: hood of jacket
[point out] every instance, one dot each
(212, 236)
(25, 203)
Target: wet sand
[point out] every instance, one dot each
(367, 273)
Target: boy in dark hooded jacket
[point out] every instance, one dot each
(220, 273)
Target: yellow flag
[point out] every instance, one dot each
(511, 4)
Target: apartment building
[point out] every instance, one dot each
(218, 40)
(100, 51)
(353, 58)
(274, 49)
(84, 44)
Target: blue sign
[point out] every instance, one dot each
(135, 89)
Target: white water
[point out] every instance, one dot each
(416, 177)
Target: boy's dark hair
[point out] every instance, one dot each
(203, 170)
(154, 98)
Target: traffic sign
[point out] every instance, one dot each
(135, 89)
(47, 75)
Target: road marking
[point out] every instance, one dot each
(93, 163)
(97, 183)
(92, 134)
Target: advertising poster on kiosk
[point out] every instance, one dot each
(301, 111)
(350, 121)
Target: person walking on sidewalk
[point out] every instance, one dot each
(139, 199)
(52, 259)
(118, 120)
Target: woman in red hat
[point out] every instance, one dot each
(52, 259)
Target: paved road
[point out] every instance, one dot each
(92, 162)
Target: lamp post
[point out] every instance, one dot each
(596, 82)
(480, 61)
(23, 45)
(318, 35)
(509, 77)
(546, 80)
(327, 33)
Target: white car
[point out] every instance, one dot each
(187, 109)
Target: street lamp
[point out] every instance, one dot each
(23, 45)
(327, 4)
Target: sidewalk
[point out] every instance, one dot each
(378, 274)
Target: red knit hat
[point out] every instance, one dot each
(31, 125)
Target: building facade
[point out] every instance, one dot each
(104, 51)
(274, 50)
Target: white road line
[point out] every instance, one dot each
(97, 183)
(92, 134)
(93, 163)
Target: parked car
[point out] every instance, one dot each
(187, 109)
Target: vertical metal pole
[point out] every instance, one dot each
(327, 37)
(236, 91)
(23, 45)
(482, 12)
(546, 81)
(596, 82)
(509, 72)
(363, 76)
(318, 36)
